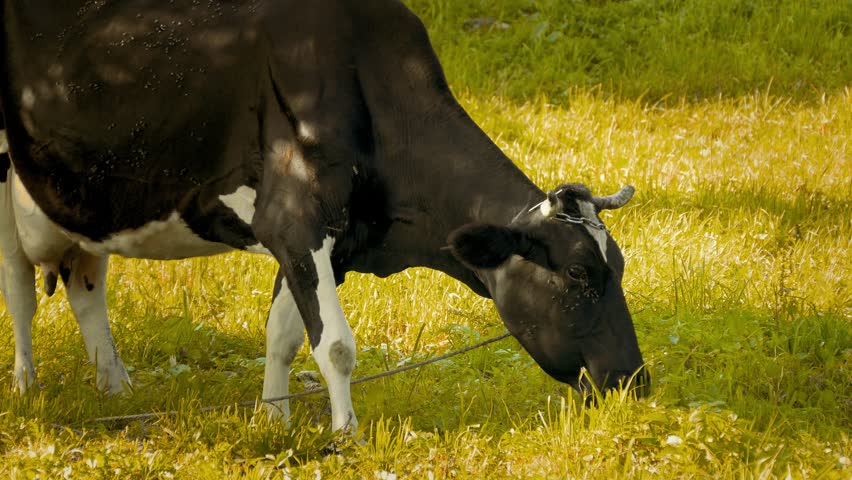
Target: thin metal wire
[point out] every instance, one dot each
(253, 403)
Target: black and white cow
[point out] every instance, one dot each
(322, 133)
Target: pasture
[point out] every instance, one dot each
(733, 119)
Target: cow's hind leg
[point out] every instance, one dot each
(285, 335)
(17, 280)
(86, 288)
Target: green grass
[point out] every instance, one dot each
(645, 48)
(738, 275)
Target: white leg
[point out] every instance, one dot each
(17, 283)
(285, 335)
(17, 278)
(86, 290)
(335, 353)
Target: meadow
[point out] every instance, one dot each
(732, 118)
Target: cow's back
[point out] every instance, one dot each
(130, 118)
(159, 108)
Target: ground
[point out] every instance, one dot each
(733, 119)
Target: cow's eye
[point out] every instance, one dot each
(578, 273)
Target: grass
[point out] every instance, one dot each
(738, 275)
(645, 48)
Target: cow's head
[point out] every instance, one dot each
(555, 275)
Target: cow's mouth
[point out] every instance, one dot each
(570, 375)
(637, 382)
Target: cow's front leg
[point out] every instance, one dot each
(301, 193)
(332, 341)
(310, 278)
(285, 335)
(86, 289)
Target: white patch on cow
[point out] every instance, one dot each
(241, 201)
(168, 239)
(21, 199)
(335, 353)
(284, 337)
(28, 98)
(587, 210)
(41, 240)
(4, 142)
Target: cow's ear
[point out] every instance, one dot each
(479, 245)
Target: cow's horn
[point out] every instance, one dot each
(616, 200)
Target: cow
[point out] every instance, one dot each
(321, 133)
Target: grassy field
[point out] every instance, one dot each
(733, 119)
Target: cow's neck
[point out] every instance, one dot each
(455, 176)
(439, 170)
(483, 184)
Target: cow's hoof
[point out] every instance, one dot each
(344, 439)
(348, 428)
(24, 378)
(114, 380)
(278, 412)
